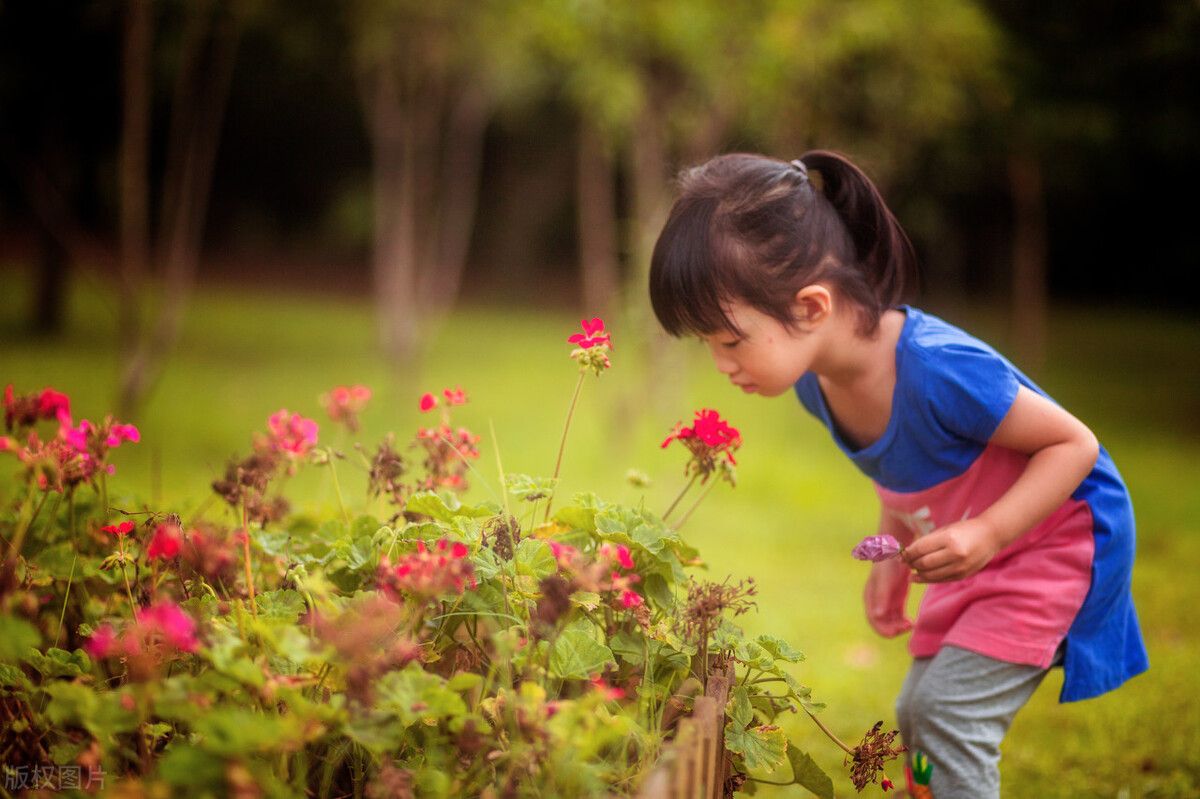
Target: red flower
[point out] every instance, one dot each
(119, 530)
(593, 335)
(610, 692)
(54, 405)
(708, 438)
(102, 642)
(168, 622)
(455, 397)
(887, 785)
(165, 543)
(631, 599)
(428, 402)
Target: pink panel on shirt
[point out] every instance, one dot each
(1019, 607)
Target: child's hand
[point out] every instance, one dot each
(953, 552)
(884, 596)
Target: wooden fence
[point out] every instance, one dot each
(693, 765)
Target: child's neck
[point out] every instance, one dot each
(856, 364)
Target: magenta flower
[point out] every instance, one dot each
(54, 405)
(291, 432)
(428, 402)
(631, 599)
(344, 403)
(876, 548)
(167, 620)
(119, 530)
(429, 573)
(122, 432)
(102, 642)
(165, 543)
(455, 396)
(710, 437)
(593, 335)
(592, 346)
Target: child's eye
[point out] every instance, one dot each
(730, 344)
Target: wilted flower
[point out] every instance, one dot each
(428, 573)
(876, 548)
(592, 346)
(867, 760)
(708, 438)
(344, 403)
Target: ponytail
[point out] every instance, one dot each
(884, 252)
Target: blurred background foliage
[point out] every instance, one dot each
(212, 209)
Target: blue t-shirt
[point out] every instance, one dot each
(934, 465)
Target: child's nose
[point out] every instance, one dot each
(725, 365)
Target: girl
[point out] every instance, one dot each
(1005, 503)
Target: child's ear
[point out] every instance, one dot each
(812, 305)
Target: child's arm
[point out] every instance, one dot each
(1062, 452)
(886, 590)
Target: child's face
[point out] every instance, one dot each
(767, 358)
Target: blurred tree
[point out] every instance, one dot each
(206, 48)
(429, 77)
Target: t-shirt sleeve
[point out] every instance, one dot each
(969, 389)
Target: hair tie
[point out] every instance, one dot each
(799, 166)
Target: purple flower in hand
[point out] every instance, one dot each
(876, 548)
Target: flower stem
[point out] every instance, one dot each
(338, 488)
(24, 525)
(829, 732)
(686, 488)
(125, 575)
(66, 597)
(246, 559)
(104, 497)
(562, 445)
(696, 504)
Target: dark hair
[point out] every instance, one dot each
(757, 229)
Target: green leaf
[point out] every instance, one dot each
(283, 606)
(12, 677)
(59, 662)
(738, 708)
(581, 513)
(530, 488)
(413, 694)
(760, 747)
(807, 774)
(780, 649)
(58, 560)
(444, 507)
(535, 558)
(235, 731)
(577, 654)
(464, 681)
(191, 768)
(17, 637)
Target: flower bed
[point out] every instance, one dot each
(514, 647)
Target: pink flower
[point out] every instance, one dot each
(427, 573)
(54, 405)
(165, 543)
(119, 530)
(344, 403)
(630, 598)
(122, 432)
(563, 553)
(77, 437)
(428, 402)
(876, 548)
(291, 432)
(167, 620)
(455, 397)
(610, 692)
(593, 335)
(619, 552)
(7, 444)
(102, 642)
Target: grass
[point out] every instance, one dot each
(790, 523)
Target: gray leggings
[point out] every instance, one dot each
(955, 707)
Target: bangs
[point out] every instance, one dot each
(687, 289)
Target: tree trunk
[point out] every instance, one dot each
(201, 95)
(597, 221)
(1029, 261)
(393, 266)
(134, 183)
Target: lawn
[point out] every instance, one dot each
(790, 523)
